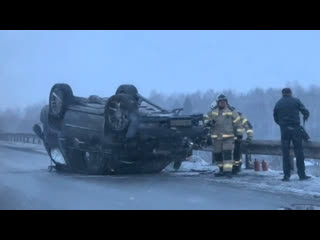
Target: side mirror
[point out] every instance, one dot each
(38, 131)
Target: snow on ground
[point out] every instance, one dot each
(308, 164)
(196, 164)
(271, 181)
(265, 181)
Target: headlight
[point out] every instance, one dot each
(57, 156)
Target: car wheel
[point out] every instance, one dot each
(60, 97)
(127, 89)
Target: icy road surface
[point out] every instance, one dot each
(25, 183)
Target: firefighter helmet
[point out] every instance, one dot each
(221, 97)
(218, 99)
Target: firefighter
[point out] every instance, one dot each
(246, 126)
(286, 115)
(223, 121)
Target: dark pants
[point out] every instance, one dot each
(293, 134)
(237, 150)
(237, 156)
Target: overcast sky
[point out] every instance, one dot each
(96, 62)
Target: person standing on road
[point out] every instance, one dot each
(224, 123)
(286, 115)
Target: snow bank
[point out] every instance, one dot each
(195, 164)
(264, 181)
(271, 181)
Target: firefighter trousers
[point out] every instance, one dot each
(223, 153)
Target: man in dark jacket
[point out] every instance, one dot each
(286, 115)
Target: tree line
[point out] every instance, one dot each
(257, 104)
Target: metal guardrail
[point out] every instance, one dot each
(256, 147)
(269, 147)
(20, 137)
(273, 148)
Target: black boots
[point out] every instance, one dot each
(228, 174)
(219, 174)
(305, 177)
(286, 179)
(236, 169)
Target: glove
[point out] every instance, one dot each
(211, 123)
(239, 137)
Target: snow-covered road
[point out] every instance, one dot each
(25, 183)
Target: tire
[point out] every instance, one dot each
(44, 115)
(119, 111)
(127, 89)
(61, 96)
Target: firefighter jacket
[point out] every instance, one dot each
(224, 123)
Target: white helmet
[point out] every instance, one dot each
(221, 97)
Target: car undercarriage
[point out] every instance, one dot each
(123, 134)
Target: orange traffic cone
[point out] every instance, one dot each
(256, 165)
(264, 165)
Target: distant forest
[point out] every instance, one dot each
(256, 104)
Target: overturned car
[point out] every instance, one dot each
(123, 134)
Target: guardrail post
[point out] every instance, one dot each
(248, 161)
